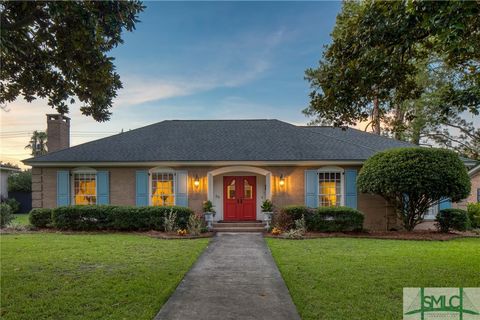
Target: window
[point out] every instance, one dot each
(431, 212)
(163, 188)
(84, 188)
(330, 187)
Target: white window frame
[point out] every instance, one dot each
(162, 170)
(72, 182)
(432, 212)
(332, 169)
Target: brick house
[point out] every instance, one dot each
(236, 164)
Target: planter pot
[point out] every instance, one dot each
(209, 219)
(267, 217)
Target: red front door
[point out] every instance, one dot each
(239, 198)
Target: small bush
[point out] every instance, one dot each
(123, 218)
(40, 218)
(14, 204)
(285, 218)
(170, 221)
(335, 219)
(452, 219)
(195, 224)
(473, 210)
(267, 206)
(6, 215)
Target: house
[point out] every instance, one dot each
(474, 196)
(5, 171)
(236, 164)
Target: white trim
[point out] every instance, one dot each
(474, 170)
(162, 170)
(179, 164)
(81, 170)
(84, 170)
(256, 170)
(334, 169)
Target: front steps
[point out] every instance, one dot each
(241, 226)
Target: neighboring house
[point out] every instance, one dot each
(5, 171)
(236, 164)
(474, 196)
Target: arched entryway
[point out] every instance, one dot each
(227, 201)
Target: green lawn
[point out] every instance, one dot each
(338, 278)
(110, 276)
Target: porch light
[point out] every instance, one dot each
(282, 180)
(196, 181)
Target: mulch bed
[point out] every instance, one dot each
(152, 233)
(393, 235)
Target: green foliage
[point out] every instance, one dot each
(473, 210)
(6, 215)
(267, 206)
(21, 181)
(335, 219)
(207, 206)
(117, 217)
(41, 217)
(170, 221)
(324, 219)
(377, 52)
(37, 143)
(14, 205)
(58, 50)
(413, 179)
(452, 219)
(195, 225)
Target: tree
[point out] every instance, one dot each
(38, 143)
(21, 181)
(58, 50)
(414, 179)
(374, 55)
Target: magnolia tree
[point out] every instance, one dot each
(414, 179)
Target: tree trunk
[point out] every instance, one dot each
(376, 116)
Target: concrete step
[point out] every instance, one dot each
(238, 224)
(238, 229)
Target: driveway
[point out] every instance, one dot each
(235, 278)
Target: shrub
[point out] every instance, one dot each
(473, 210)
(267, 206)
(21, 181)
(123, 218)
(14, 204)
(195, 224)
(414, 179)
(452, 219)
(40, 218)
(285, 218)
(170, 220)
(6, 215)
(335, 219)
(207, 206)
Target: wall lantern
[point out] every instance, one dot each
(196, 181)
(282, 180)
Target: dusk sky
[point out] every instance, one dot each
(199, 60)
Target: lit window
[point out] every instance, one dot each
(163, 189)
(330, 191)
(85, 188)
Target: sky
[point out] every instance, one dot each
(199, 60)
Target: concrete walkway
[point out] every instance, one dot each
(235, 278)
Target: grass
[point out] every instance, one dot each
(337, 278)
(107, 276)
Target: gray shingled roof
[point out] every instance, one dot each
(226, 140)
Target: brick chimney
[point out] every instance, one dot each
(58, 132)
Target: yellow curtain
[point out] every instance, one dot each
(85, 188)
(329, 194)
(163, 194)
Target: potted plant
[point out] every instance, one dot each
(208, 212)
(267, 210)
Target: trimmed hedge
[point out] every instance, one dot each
(105, 217)
(452, 219)
(335, 219)
(473, 210)
(40, 218)
(324, 219)
(6, 215)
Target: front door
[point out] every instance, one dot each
(239, 198)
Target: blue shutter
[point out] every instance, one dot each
(181, 188)
(103, 187)
(444, 204)
(311, 188)
(141, 188)
(351, 188)
(63, 188)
